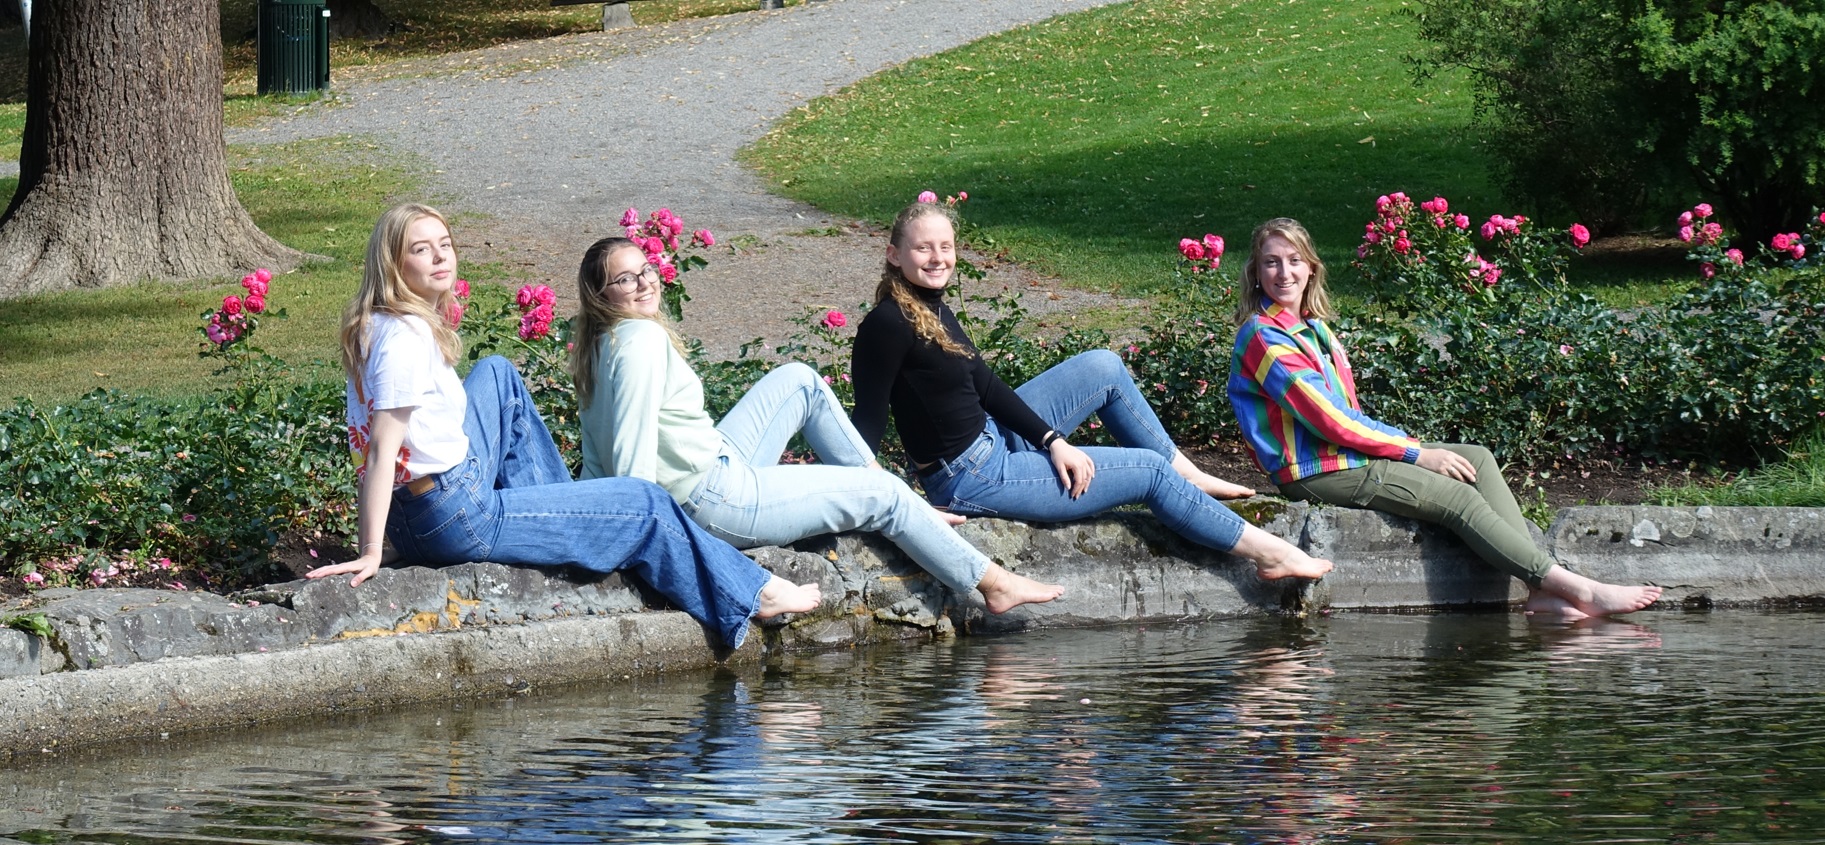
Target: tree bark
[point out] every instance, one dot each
(123, 174)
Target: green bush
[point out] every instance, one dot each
(1610, 108)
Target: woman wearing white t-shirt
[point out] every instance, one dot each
(468, 471)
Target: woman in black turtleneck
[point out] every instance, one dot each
(982, 448)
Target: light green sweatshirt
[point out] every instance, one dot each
(646, 418)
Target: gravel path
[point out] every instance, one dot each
(550, 141)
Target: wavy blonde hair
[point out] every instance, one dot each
(383, 291)
(1315, 303)
(925, 322)
(596, 316)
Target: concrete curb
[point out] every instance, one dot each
(125, 663)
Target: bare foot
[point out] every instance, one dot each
(782, 596)
(1595, 598)
(1211, 485)
(1003, 591)
(1544, 603)
(1276, 558)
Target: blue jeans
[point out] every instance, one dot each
(513, 501)
(1001, 474)
(748, 499)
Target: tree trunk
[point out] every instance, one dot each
(123, 174)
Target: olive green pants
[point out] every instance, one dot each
(1484, 515)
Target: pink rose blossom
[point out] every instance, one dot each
(1489, 230)
(1399, 198)
(963, 196)
(1436, 205)
(1565, 349)
(834, 320)
(668, 273)
(631, 218)
(702, 237)
(1192, 250)
(231, 305)
(1685, 233)
(1735, 256)
(214, 332)
(1711, 233)
(1781, 242)
(1401, 244)
(1382, 204)
(1707, 270)
(456, 313)
(1701, 210)
(1362, 250)
(1213, 246)
(32, 578)
(927, 196)
(1462, 221)
(461, 289)
(263, 275)
(1798, 250)
(1685, 218)
(1580, 236)
(256, 304)
(1374, 236)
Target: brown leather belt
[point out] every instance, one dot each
(418, 486)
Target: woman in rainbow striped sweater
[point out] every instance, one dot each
(1291, 388)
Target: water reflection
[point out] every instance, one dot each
(1678, 728)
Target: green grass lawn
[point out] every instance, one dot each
(1090, 144)
(318, 196)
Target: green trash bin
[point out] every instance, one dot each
(294, 46)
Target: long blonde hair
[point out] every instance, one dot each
(596, 316)
(383, 291)
(1315, 303)
(925, 322)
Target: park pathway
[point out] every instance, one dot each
(552, 141)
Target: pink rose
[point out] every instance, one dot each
(1192, 250)
(1462, 221)
(1374, 236)
(963, 196)
(1398, 197)
(631, 218)
(1707, 270)
(1382, 204)
(668, 273)
(32, 578)
(1712, 233)
(927, 196)
(1362, 250)
(546, 296)
(263, 275)
(1213, 246)
(231, 305)
(1491, 274)
(703, 237)
(1685, 219)
(834, 320)
(1685, 233)
(1580, 236)
(1489, 229)
(532, 329)
(1401, 244)
(524, 297)
(1735, 256)
(1565, 349)
(1781, 242)
(256, 304)
(1822, 217)
(455, 313)
(461, 289)
(1798, 250)
(1702, 210)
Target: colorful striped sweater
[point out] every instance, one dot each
(1290, 386)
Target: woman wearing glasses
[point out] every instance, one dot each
(643, 417)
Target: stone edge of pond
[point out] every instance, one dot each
(129, 663)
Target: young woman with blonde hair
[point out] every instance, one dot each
(984, 448)
(464, 470)
(1291, 387)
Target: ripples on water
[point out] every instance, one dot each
(1396, 729)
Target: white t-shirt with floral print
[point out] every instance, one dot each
(406, 369)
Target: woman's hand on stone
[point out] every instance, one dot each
(1448, 464)
(363, 567)
(1073, 465)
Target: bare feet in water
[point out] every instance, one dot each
(1003, 591)
(1275, 558)
(782, 596)
(1566, 593)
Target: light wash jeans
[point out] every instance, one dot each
(513, 501)
(749, 499)
(1001, 474)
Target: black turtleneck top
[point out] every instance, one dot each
(940, 401)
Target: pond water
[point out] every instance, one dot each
(1676, 727)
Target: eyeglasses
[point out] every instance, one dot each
(630, 281)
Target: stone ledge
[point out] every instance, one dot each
(121, 663)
